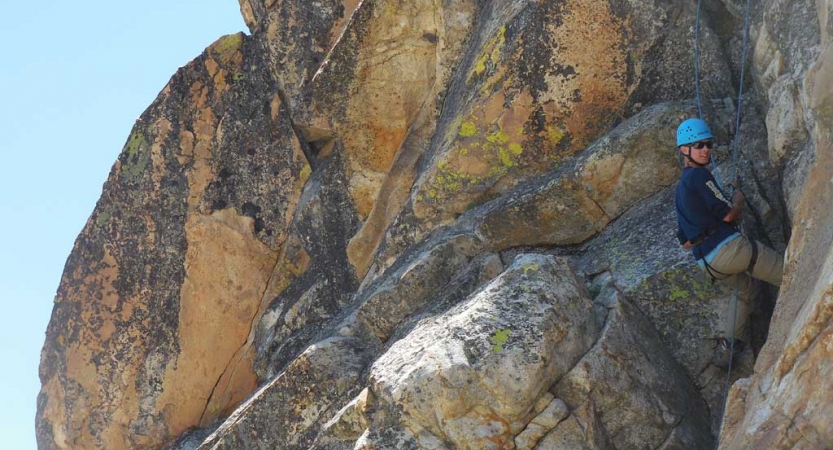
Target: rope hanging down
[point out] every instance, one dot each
(734, 163)
(697, 86)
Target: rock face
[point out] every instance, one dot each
(150, 331)
(471, 375)
(389, 224)
(788, 402)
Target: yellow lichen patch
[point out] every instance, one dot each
(554, 134)
(227, 272)
(227, 49)
(306, 171)
(489, 145)
(498, 138)
(491, 52)
(468, 129)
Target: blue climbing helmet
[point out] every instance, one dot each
(693, 130)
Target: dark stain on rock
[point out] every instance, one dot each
(140, 253)
(250, 209)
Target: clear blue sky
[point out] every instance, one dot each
(74, 76)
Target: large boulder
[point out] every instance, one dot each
(287, 412)
(640, 395)
(371, 75)
(155, 307)
(471, 376)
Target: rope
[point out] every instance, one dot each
(697, 86)
(740, 92)
(717, 173)
(697, 60)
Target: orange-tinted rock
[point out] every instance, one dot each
(545, 81)
(156, 305)
(788, 402)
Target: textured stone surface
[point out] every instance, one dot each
(580, 431)
(541, 424)
(643, 398)
(325, 210)
(575, 202)
(159, 294)
(787, 402)
(286, 411)
(546, 83)
(412, 286)
(528, 95)
(466, 376)
(300, 306)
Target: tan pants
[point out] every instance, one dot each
(729, 266)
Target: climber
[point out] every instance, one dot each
(707, 226)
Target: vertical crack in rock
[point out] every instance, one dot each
(234, 359)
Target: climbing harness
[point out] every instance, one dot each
(734, 178)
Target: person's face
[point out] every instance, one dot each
(699, 151)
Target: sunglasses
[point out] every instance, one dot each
(701, 144)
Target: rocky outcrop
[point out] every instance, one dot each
(471, 376)
(151, 326)
(388, 224)
(536, 89)
(788, 402)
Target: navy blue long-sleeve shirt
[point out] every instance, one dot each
(701, 207)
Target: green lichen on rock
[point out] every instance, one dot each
(678, 293)
(499, 338)
(532, 267)
(224, 48)
(678, 283)
(491, 51)
(496, 149)
(134, 144)
(468, 129)
(103, 218)
(137, 157)
(305, 173)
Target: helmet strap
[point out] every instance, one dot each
(688, 157)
